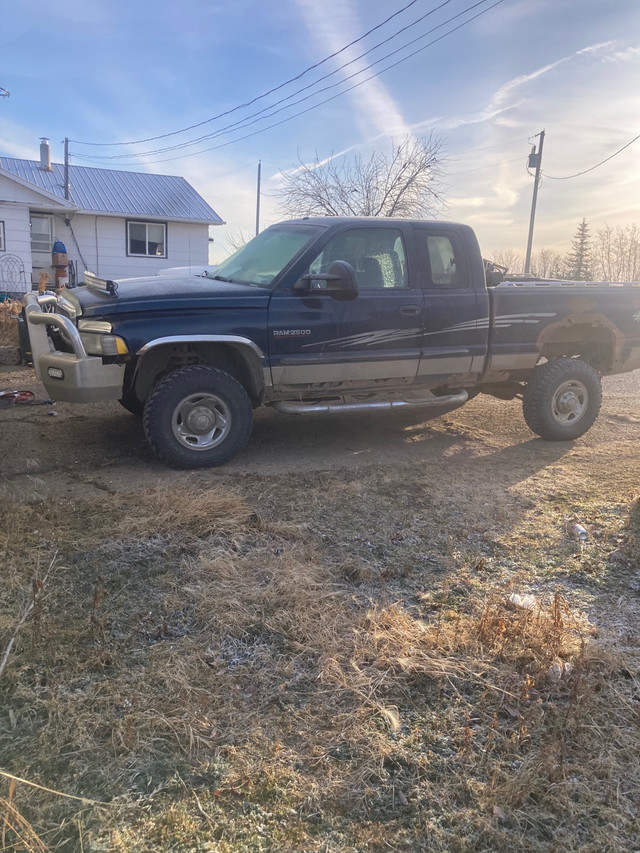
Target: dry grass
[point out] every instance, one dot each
(340, 681)
(9, 310)
(17, 831)
(191, 512)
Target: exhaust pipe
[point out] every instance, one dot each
(293, 407)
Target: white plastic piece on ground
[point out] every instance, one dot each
(522, 602)
(559, 669)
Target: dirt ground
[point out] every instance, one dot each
(70, 449)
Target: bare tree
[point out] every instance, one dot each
(236, 239)
(617, 253)
(508, 258)
(546, 263)
(406, 184)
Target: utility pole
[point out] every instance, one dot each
(66, 168)
(258, 199)
(535, 159)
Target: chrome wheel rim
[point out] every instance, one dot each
(201, 421)
(570, 402)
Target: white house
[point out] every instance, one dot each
(117, 224)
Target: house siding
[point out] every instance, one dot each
(102, 245)
(12, 191)
(17, 235)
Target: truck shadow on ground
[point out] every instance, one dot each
(288, 443)
(513, 464)
(281, 444)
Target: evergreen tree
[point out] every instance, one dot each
(579, 260)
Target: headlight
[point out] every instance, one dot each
(97, 339)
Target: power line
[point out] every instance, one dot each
(326, 100)
(265, 94)
(591, 168)
(487, 166)
(320, 103)
(242, 123)
(514, 141)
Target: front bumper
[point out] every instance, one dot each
(69, 377)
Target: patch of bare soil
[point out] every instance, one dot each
(360, 636)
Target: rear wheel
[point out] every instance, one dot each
(562, 399)
(198, 417)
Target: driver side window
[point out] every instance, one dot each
(377, 256)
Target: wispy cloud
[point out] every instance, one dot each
(315, 164)
(626, 55)
(375, 106)
(505, 92)
(18, 141)
(513, 93)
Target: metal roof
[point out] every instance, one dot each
(111, 191)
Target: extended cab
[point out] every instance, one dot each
(332, 314)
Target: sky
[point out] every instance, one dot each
(114, 71)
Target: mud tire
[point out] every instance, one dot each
(197, 417)
(562, 399)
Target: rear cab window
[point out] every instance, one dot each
(442, 259)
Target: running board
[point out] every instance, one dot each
(293, 407)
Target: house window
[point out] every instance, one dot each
(147, 239)
(41, 233)
(3, 247)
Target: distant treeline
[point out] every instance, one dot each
(612, 255)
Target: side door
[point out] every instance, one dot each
(41, 243)
(367, 342)
(454, 342)
(300, 325)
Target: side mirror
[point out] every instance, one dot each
(340, 282)
(494, 278)
(494, 273)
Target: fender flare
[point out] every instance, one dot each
(214, 339)
(253, 355)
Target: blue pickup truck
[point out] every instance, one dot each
(333, 315)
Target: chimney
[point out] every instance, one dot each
(45, 155)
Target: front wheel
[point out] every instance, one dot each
(562, 399)
(197, 417)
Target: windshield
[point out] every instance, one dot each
(260, 260)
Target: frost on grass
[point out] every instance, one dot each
(228, 681)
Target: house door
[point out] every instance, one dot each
(41, 243)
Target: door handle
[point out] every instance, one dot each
(409, 309)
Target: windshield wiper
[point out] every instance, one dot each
(221, 278)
